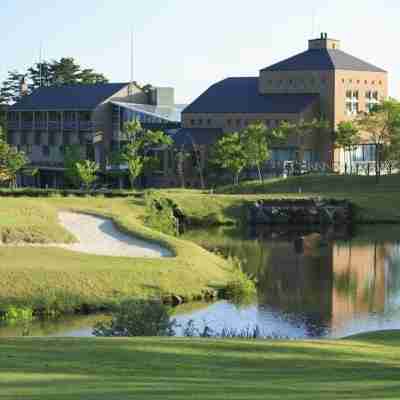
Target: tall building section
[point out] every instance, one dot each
(322, 82)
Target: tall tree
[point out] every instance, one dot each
(230, 154)
(135, 151)
(10, 91)
(255, 141)
(40, 74)
(315, 131)
(382, 125)
(87, 172)
(90, 77)
(64, 72)
(48, 73)
(348, 137)
(71, 159)
(12, 162)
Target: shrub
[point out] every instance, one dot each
(137, 318)
(161, 215)
(16, 314)
(242, 287)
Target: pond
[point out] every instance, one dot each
(311, 284)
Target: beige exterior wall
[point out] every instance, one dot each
(360, 81)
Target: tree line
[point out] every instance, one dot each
(233, 152)
(65, 71)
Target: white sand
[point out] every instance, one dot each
(100, 236)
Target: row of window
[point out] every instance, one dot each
(296, 82)
(238, 122)
(45, 150)
(39, 138)
(358, 81)
(313, 81)
(352, 104)
(54, 116)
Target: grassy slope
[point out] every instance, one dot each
(30, 275)
(151, 368)
(376, 203)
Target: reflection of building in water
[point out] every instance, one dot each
(297, 280)
(325, 285)
(360, 280)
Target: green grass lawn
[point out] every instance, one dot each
(375, 202)
(61, 279)
(365, 367)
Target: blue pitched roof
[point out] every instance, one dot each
(241, 95)
(322, 60)
(69, 97)
(185, 137)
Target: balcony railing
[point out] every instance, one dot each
(85, 125)
(13, 124)
(54, 125)
(27, 125)
(40, 125)
(70, 125)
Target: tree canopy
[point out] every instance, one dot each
(65, 71)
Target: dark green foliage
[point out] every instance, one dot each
(241, 288)
(162, 214)
(137, 318)
(71, 158)
(48, 73)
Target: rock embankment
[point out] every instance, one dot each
(301, 212)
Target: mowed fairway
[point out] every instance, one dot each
(367, 367)
(62, 279)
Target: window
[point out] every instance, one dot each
(23, 139)
(366, 82)
(380, 82)
(45, 151)
(82, 138)
(66, 139)
(192, 122)
(373, 82)
(200, 121)
(52, 138)
(358, 81)
(209, 122)
(238, 122)
(229, 122)
(352, 102)
(290, 81)
(343, 81)
(11, 138)
(270, 82)
(28, 149)
(38, 138)
(371, 100)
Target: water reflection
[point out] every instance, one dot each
(310, 284)
(329, 283)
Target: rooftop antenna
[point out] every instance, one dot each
(40, 63)
(131, 79)
(313, 20)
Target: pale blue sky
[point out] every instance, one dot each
(190, 44)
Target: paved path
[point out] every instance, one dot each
(97, 235)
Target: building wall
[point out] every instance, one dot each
(360, 81)
(301, 82)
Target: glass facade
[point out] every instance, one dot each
(364, 152)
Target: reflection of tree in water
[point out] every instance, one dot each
(315, 279)
(393, 281)
(298, 281)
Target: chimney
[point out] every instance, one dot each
(23, 87)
